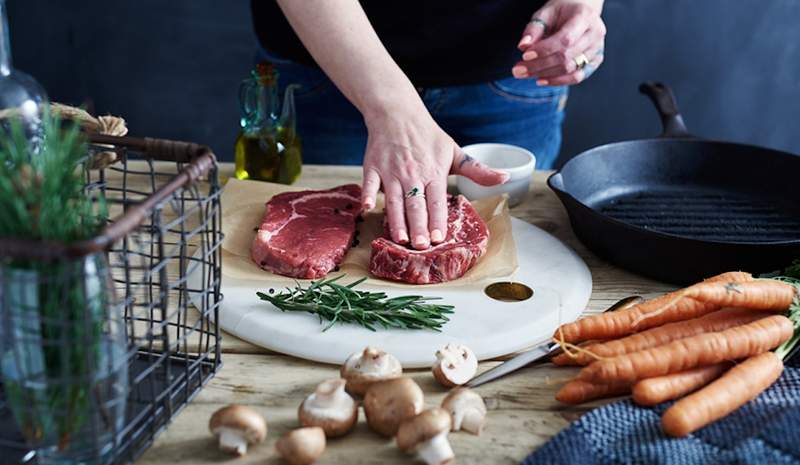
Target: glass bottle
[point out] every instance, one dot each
(20, 95)
(268, 147)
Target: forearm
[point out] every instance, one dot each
(339, 36)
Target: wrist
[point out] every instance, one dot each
(392, 106)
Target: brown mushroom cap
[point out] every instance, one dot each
(389, 403)
(369, 366)
(302, 446)
(422, 428)
(330, 408)
(467, 409)
(242, 418)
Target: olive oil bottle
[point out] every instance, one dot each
(268, 147)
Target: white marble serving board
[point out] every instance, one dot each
(561, 282)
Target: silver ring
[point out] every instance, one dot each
(540, 22)
(415, 192)
(581, 61)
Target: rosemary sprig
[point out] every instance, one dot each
(335, 302)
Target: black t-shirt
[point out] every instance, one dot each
(435, 42)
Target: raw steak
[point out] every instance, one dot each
(466, 240)
(306, 234)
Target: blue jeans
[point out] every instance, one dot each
(510, 111)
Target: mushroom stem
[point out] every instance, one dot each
(233, 441)
(436, 451)
(471, 421)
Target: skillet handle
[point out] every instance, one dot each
(667, 106)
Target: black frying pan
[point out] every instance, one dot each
(678, 208)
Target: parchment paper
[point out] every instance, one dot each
(243, 206)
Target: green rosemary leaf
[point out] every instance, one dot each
(338, 303)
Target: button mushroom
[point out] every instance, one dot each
(237, 426)
(330, 408)
(467, 410)
(455, 365)
(426, 434)
(368, 366)
(302, 446)
(389, 403)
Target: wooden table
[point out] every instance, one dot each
(522, 411)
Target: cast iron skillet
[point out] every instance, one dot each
(678, 208)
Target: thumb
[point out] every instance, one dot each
(540, 24)
(467, 166)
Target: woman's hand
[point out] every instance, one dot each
(410, 156)
(563, 43)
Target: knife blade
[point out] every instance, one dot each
(540, 351)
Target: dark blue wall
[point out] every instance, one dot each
(171, 68)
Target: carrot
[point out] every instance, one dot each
(577, 391)
(620, 323)
(717, 321)
(740, 384)
(762, 294)
(683, 354)
(652, 391)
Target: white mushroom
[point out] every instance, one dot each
(368, 366)
(237, 426)
(389, 403)
(455, 365)
(302, 446)
(426, 434)
(467, 410)
(330, 408)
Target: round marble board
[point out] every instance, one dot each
(559, 278)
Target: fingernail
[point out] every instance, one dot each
(420, 241)
(504, 177)
(529, 55)
(368, 204)
(519, 71)
(541, 82)
(436, 236)
(402, 237)
(525, 41)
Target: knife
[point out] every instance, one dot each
(540, 351)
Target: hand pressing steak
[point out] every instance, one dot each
(306, 234)
(466, 240)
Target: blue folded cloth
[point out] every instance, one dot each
(764, 431)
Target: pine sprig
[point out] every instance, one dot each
(42, 192)
(334, 302)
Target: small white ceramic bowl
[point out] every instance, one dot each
(518, 162)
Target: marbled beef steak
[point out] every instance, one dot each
(466, 240)
(306, 234)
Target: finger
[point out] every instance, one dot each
(369, 189)
(561, 61)
(467, 166)
(395, 210)
(572, 78)
(417, 215)
(535, 30)
(591, 36)
(436, 197)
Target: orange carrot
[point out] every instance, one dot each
(621, 322)
(577, 391)
(716, 321)
(740, 384)
(762, 294)
(684, 354)
(652, 391)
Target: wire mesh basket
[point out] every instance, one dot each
(133, 338)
